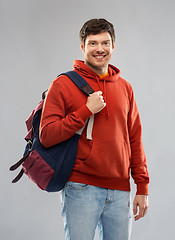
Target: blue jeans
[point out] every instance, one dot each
(86, 206)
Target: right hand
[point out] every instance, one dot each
(95, 102)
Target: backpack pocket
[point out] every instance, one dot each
(36, 168)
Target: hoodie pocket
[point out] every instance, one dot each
(84, 149)
(108, 159)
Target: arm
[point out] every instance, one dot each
(58, 122)
(61, 118)
(138, 160)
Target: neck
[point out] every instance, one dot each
(97, 70)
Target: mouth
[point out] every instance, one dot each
(99, 56)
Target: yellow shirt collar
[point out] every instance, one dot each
(103, 75)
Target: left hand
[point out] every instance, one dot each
(140, 206)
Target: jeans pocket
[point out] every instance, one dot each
(76, 185)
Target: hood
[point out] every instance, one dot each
(113, 72)
(113, 75)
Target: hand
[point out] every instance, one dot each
(141, 202)
(95, 102)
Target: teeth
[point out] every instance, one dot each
(99, 57)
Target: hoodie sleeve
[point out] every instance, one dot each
(57, 123)
(138, 160)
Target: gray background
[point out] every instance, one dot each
(38, 40)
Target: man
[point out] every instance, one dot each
(98, 190)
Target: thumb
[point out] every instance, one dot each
(99, 93)
(135, 208)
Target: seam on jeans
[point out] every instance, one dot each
(102, 229)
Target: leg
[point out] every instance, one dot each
(115, 221)
(81, 210)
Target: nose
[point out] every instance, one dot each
(100, 48)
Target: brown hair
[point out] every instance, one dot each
(96, 26)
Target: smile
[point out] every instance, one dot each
(99, 56)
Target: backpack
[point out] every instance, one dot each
(49, 168)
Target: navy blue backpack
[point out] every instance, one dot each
(49, 168)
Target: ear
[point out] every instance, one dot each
(82, 47)
(113, 46)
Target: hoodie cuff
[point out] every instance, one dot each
(84, 113)
(142, 189)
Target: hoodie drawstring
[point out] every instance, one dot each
(104, 96)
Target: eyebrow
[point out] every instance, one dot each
(89, 41)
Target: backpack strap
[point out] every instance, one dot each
(87, 89)
(79, 81)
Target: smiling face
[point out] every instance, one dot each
(98, 51)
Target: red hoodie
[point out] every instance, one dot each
(116, 147)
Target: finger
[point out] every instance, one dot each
(137, 217)
(134, 208)
(145, 211)
(102, 98)
(142, 213)
(99, 93)
(134, 211)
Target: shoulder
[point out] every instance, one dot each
(60, 84)
(61, 80)
(126, 85)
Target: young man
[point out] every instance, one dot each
(98, 190)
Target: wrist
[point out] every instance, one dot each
(90, 108)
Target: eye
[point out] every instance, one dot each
(106, 43)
